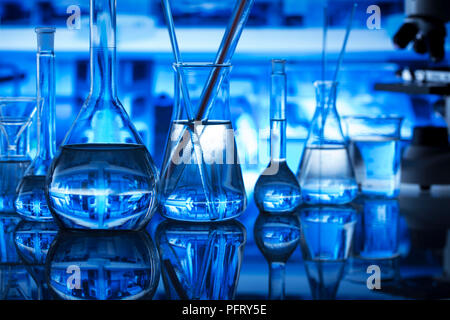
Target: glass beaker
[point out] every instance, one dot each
(30, 203)
(103, 176)
(15, 118)
(375, 152)
(201, 178)
(277, 189)
(325, 172)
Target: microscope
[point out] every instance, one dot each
(424, 26)
(426, 161)
(425, 191)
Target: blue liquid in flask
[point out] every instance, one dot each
(103, 177)
(277, 189)
(187, 197)
(326, 173)
(102, 186)
(32, 204)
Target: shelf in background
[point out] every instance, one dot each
(293, 43)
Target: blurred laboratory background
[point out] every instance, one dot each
(287, 29)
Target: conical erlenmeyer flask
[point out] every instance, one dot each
(277, 188)
(103, 176)
(201, 178)
(30, 203)
(326, 173)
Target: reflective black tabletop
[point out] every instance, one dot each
(369, 250)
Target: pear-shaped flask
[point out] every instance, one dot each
(30, 202)
(326, 173)
(201, 177)
(103, 176)
(277, 189)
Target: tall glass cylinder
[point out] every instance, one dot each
(30, 203)
(103, 176)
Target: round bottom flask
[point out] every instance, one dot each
(103, 177)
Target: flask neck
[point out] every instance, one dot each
(46, 104)
(326, 94)
(278, 116)
(103, 48)
(277, 272)
(190, 78)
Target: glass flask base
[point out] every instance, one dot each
(326, 175)
(281, 199)
(102, 186)
(329, 192)
(10, 172)
(190, 205)
(30, 203)
(204, 184)
(279, 192)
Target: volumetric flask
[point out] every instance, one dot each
(375, 151)
(277, 189)
(326, 173)
(30, 203)
(201, 178)
(103, 176)
(16, 115)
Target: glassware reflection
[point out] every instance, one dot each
(103, 266)
(376, 240)
(324, 278)
(32, 242)
(277, 236)
(326, 238)
(201, 261)
(15, 281)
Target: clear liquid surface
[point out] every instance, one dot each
(30, 203)
(11, 172)
(377, 166)
(102, 186)
(326, 175)
(204, 181)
